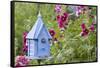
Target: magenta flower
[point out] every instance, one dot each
(92, 28)
(60, 24)
(24, 37)
(25, 49)
(84, 32)
(58, 8)
(24, 42)
(52, 32)
(78, 11)
(62, 20)
(21, 61)
(83, 26)
(64, 17)
(58, 17)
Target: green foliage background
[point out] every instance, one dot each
(72, 48)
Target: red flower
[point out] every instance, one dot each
(60, 23)
(52, 32)
(24, 37)
(58, 17)
(21, 61)
(58, 8)
(25, 49)
(62, 20)
(85, 32)
(65, 15)
(24, 42)
(83, 26)
(92, 28)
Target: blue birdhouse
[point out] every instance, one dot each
(38, 40)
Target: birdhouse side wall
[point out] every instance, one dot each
(31, 48)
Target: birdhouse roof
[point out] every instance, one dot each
(36, 29)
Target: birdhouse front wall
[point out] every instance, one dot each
(43, 44)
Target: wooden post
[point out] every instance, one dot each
(39, 61)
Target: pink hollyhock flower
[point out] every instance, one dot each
(78, 11)
(58, 17)
(21, 61)
(64, 17)
(25, 49)
(83, 26)
(24, 36)
(58, 8)
(92, 28)
(52, 32)
(60, 23)
(84, 32)
(62, 20)
(24, 42)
